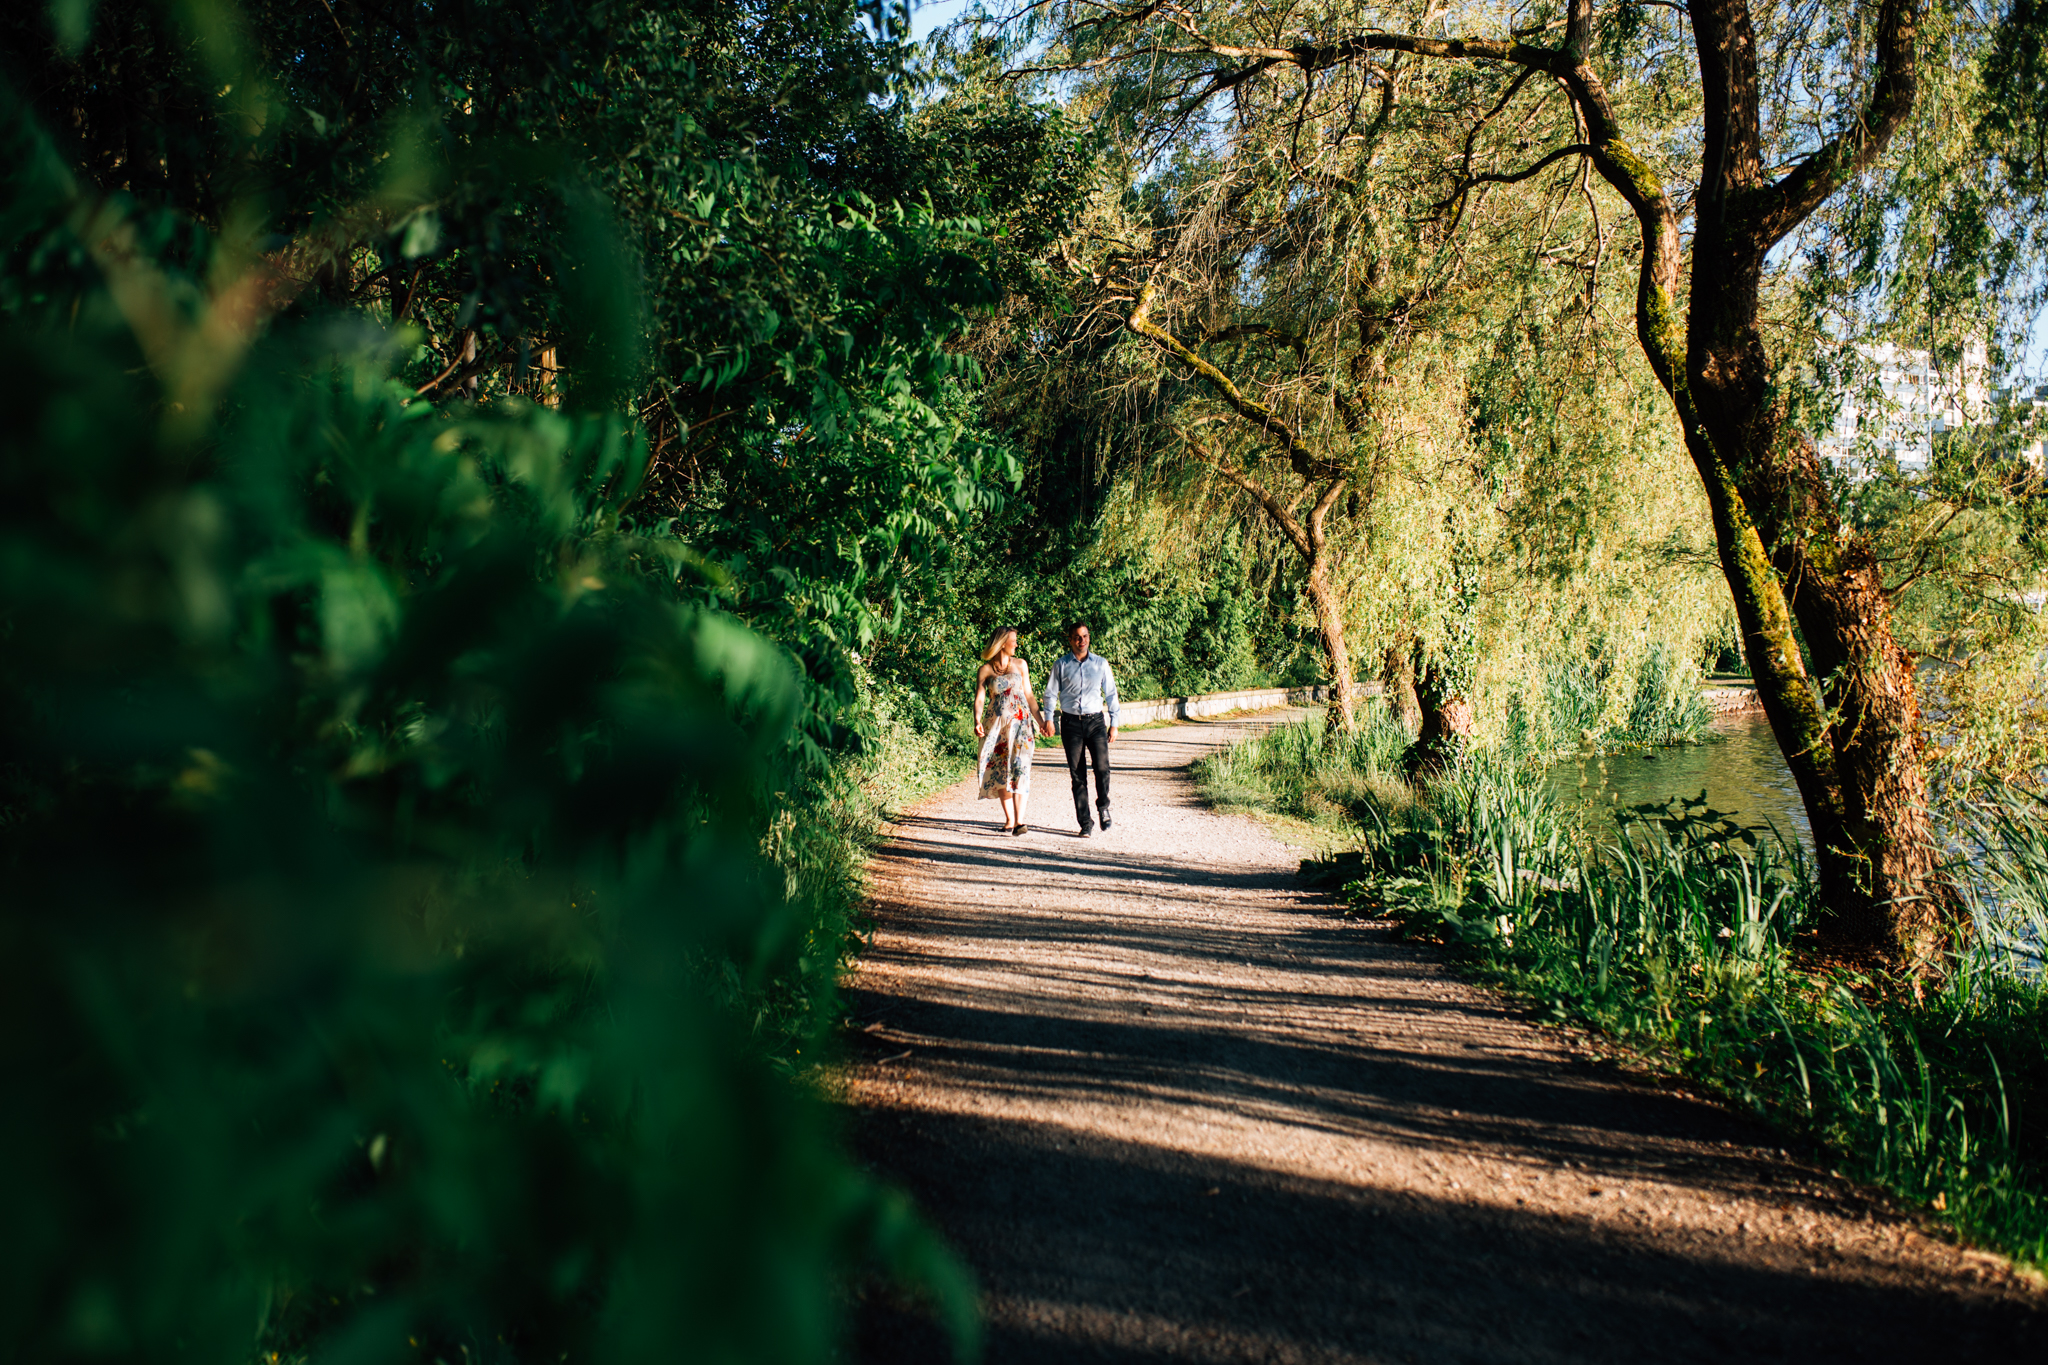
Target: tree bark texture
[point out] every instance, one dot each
(1329, 607)
(1330, 625)
(1881, 824)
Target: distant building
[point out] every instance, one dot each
(1916, 402)
(2035, 401)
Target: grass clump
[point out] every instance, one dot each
(1579, 703)
(1679, 934)
(1292, 770)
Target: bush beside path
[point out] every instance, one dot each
(1170, 1105)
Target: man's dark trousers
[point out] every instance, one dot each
(1085, 738)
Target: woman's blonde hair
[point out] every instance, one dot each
(988, 651)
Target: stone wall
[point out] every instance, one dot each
(1218, 703)
(1723, 699)
(1720, 698)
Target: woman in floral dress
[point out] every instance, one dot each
(1007, 738)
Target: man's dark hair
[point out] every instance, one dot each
(1073, 626)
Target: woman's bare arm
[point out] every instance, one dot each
(981, 677)
(1030, 693)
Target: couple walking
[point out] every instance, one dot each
(1081, 686)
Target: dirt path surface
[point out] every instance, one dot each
(1172, 1107)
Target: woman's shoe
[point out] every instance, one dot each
(1020, 828)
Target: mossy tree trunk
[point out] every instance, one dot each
(1329, 608)
(1447, 719)
(1854, 741)
(1852, 737)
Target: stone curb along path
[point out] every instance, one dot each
(1171, 1106)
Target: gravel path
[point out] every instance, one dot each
(1172, 1107)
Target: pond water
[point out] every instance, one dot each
(1743, 774)
(1738, 766)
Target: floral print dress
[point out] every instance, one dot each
(1005, 767)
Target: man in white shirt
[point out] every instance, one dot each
(1082, 687)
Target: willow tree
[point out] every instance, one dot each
(1290, 358)
(1772, 119)
(1271, 330)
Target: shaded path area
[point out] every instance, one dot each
(1170, 1106)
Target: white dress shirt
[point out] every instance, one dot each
(1080, 687)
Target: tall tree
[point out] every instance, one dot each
(1272, 325)
(1776, 138)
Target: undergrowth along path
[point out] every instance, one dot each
(1171, 1106)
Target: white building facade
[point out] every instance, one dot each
(1914, 401)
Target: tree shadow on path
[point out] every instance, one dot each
(1180, 1112)
(1118, 1252)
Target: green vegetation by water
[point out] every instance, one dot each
(1676, 930)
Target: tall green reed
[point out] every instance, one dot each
(1301, 771)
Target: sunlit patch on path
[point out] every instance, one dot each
(1171, 1106)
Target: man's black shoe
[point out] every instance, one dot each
(1087, 833)
(1105, 822)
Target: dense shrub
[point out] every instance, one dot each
(380, 833)
(407, 947)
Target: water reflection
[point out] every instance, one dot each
(1743, 773)
(1739, 766)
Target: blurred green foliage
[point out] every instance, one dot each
(776, 327)
(407, 948)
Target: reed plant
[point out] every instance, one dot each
(1299, 771)
(1678, 933)
(1578, 702)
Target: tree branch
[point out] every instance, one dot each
(461, 371)
(1578, 27)
(1282, 518)
(1317, 514)
(1472, 138)
(1657, 318)
(1255, 329)
(1271, 425)
(1509, 178)
(1617, 163)
(1786, 204)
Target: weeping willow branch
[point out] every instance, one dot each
(1306, 461)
